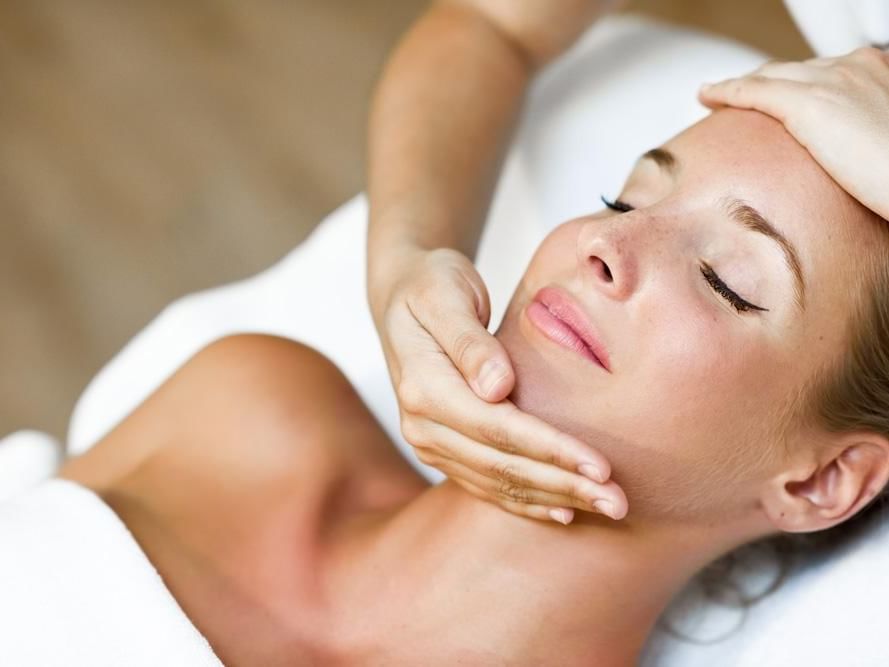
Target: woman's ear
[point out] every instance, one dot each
(830, 487)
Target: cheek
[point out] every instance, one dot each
(708, 392)
(700, 369)
(696, 414)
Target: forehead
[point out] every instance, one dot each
(756, 153)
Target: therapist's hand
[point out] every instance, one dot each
(452, 378)
(838, 108)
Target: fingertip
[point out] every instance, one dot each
(593, 472)
(503, 388)
(562, 514)
(621, 504)
(711, 103)
(605, 469)
(706, 96)
(597, 468)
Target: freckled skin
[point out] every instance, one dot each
(686, 415)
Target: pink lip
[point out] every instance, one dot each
(561, 320)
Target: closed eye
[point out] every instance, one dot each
(616, 205)
(716, 283)
(738, 303)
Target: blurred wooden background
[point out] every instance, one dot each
(152, 148)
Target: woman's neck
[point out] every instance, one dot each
(449, 570)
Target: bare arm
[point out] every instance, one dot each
(442, 116)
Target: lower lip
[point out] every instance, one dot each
(557, 331)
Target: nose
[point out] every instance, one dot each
(606, 257)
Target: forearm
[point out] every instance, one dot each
(441, 119)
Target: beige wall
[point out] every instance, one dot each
(152, 148)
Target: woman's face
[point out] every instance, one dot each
(689, 412)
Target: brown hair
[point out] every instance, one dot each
(851, 394)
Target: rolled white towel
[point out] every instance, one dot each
(78, 590)
(27, 458)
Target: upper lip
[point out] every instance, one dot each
(563, 306)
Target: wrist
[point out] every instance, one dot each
(387, 263)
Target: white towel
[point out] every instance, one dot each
(27, 458)
(76, 589)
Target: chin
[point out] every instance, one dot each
(542, 388)
(654, 478)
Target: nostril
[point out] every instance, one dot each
(601, 268)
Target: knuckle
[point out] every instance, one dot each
(513, 492)
(428, 457)
(769, 66)
(867, 54)
(557, 455)
(413, 432)
(824, 97)
(496, 434)
(579, 493)
(758, 79)
(411, 394)
(509, 473)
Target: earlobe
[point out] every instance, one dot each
(822, 494)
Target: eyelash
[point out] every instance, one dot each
(715, 282)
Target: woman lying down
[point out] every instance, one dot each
(733, 308)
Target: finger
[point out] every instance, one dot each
(873, 53)
(805, 72)
(514, 497)
(563, 515)
(504, 427)
(453, 321)
(528, 480)
(775, 97)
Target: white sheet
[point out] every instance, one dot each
(835, 27)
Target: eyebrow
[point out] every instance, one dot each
(664, 159)
(744, 214)
(747, 216)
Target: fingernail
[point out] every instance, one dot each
(592, 471)
(706, 86)
(606, 508)
(490, 376)
(560, 515)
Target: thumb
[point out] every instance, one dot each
(480, 357)
(483, 361)
(491, 376)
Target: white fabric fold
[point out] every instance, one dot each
(76, 589)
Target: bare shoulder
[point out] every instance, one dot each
(249, 409)
(235, 475)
